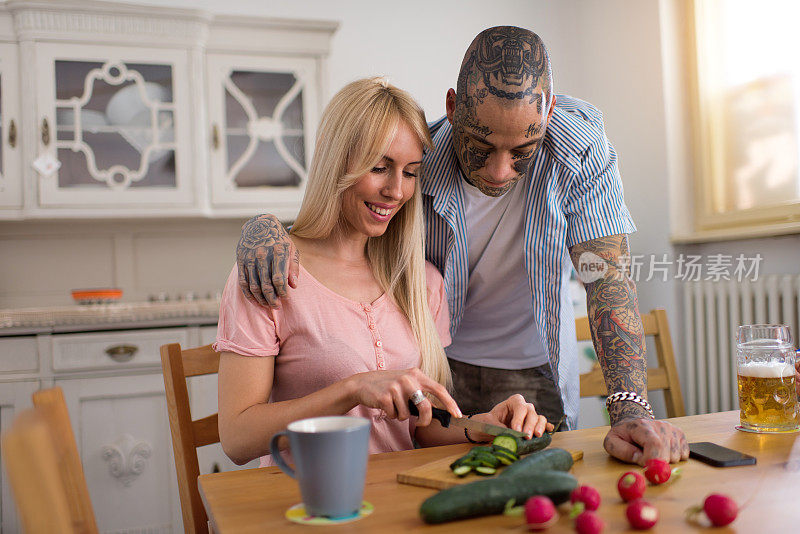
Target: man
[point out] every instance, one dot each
(521, 187)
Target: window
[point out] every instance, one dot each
(747, 113)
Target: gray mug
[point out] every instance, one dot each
(330, 457)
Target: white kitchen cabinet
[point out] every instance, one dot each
(14, 397)
(262, 112)
(114, 389)
(10, 154)
(117, 120)
(123, 436)
(150, 111)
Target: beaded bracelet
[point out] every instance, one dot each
(466, 435)
(632, 397)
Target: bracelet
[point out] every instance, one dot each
(466, 435)
(632, 397)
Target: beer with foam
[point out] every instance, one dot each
(767, 396)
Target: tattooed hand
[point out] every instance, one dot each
(637, 440)
(267, 259)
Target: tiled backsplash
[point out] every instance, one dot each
(40, 262)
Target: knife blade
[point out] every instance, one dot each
(446, 419)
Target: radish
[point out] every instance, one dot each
(657, 471)
(720, 509)
(589, 523)
(587, 495)
(540, 513)
(631, 485)
(641, 514)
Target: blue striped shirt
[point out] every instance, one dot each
(574, 195)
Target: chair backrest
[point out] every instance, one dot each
(187, 435)
(51, 404)
(665, 376)
(31, 464)
(44, 469)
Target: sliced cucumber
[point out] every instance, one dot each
(507, 441)
(462, 470)
(502, 452)
(505, 460)
(488, 460)
(485, 470)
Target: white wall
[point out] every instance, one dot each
(418, 44)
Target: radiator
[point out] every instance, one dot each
(712, 311)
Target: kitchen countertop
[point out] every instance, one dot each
(117, 316)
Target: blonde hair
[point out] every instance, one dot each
(356, 130)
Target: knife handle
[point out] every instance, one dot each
(443, 416)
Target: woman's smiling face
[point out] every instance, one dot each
(370, 203)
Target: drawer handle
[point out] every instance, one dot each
(12, 134)
(122, 353)
(45, 132)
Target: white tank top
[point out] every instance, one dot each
(497, 329)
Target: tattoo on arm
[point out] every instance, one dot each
(616, 325)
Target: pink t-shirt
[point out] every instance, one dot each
(319, 337)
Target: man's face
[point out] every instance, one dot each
(495, 142)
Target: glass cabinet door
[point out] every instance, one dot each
(10, 155)
(113, 126)
(263, 113)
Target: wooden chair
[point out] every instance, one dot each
(52, 404)
(187, 435)
(45, 470)
(665, 376)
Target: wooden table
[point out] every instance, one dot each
(255, 500)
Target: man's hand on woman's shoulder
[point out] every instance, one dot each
(267, 259)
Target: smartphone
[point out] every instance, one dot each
(719, 456)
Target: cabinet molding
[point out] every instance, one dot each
(127, 458)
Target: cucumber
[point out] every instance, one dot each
(549, 459)
(485, 470)
(462, 470)
(527, 446)
(488, 460)
(507, 441)
(505, 457)
(502, 452)
(486, 497)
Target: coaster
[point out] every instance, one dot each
(297, 514)
(750, 430)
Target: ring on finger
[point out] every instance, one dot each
(417, 397)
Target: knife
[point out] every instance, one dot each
(444, 417)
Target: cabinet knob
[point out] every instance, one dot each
(12, 134)
(215, 136)
(122, 353)
(45, 132)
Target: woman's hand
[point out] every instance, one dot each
(390, 390)
(516, 414)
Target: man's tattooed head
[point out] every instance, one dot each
(500, 108)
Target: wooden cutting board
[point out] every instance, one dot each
(437, 474)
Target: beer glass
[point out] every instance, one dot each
(765, 367)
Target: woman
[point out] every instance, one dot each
(363, 331)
